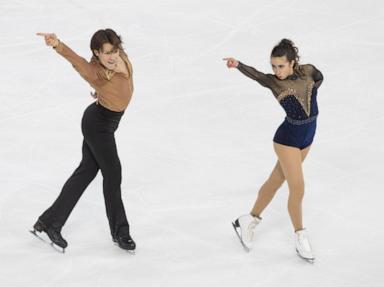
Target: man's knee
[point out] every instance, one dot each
(112, 174)
(87, 169)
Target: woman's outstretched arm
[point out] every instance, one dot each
(261, 78)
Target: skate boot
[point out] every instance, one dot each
(244, 227)
(53, 234)
(125, 241)
(303, 246)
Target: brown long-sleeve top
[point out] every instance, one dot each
(114, 90)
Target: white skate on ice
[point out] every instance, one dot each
(303, 246)
(244, 227)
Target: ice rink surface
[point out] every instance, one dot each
(195, 144)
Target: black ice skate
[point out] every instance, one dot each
(53, 234)
(125, 242)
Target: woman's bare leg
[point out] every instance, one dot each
(290, 159)
(272, 184)
(268, 190)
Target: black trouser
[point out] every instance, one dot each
(99, 152)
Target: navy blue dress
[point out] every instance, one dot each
(297, 95)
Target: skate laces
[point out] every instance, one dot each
(304, 241)
(56, 234)
(252, 225)
(251, 228)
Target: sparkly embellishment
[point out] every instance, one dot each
(300, 122)
(299, 85)
(287, 92)
(304, 99)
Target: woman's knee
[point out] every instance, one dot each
(276, 179)
(296, 189)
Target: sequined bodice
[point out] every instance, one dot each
(296, 94)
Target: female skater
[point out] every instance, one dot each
(110, 73)
(295, 87)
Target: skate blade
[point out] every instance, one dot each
(53, 245)
(132, 252)
(246, 248)
(309, 260)
(36, 235)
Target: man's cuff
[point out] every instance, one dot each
(59, 47)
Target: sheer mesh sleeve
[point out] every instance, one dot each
(316, 75)
(263, 79)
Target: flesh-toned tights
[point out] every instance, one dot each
(288, 167)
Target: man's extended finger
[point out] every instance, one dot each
(46, 35)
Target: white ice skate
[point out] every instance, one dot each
(303, 246)
(244, 227)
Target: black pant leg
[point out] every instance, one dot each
(105, 152)
(72, 190)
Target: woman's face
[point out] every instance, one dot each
(282, 67)
(108, 56)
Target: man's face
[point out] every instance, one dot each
(108, 56)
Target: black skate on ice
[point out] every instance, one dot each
(53, 234)
(125, 241)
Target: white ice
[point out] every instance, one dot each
(195, 143)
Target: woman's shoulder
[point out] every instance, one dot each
(308, 68)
